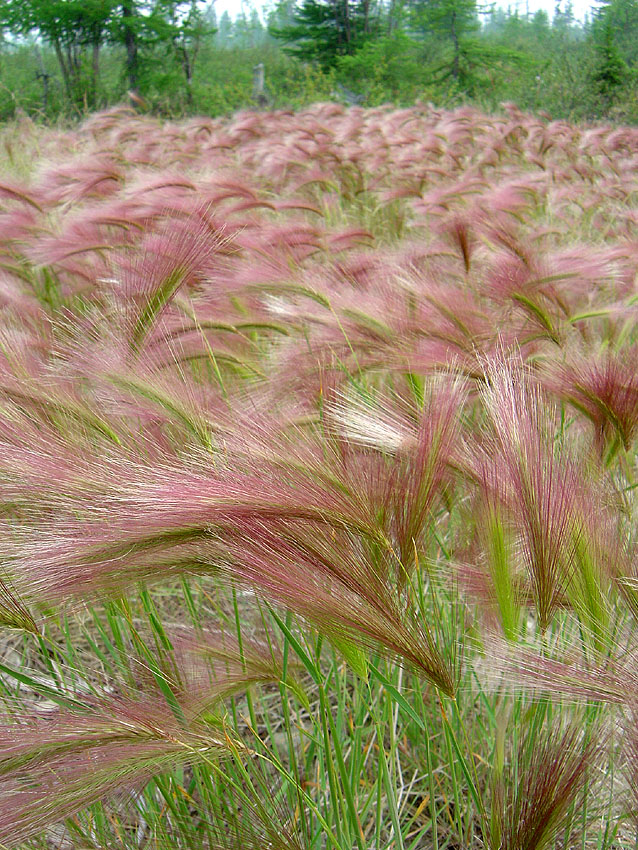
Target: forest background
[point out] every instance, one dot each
(63, 58)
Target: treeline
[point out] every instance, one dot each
(176, 57)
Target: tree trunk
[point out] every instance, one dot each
(187, 67)
(130, 42)
(342, 17)
(42, 75)
(393, 12)
(258, 81)
(457, 49)
(346, 17)
(74, 66)
(95, 73)
(66, 75)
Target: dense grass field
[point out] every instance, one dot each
(318, 482)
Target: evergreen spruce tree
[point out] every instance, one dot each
(323, 30)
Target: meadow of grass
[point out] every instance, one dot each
(317, 482)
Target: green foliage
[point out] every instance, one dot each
(613, 53)
(78, 30)
(450, 21)
(617, 20)
(322, 30)
(68, 56)
(611, 70)
(223, 83)
(75, 30)
(385, 69)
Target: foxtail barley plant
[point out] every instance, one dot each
(318, 483)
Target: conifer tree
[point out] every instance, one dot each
(323, 30)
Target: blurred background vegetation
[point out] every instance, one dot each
(62, 58)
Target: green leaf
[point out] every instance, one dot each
(396, 696)
(303, 656)
(41, 688)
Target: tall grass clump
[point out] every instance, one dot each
(318, 482)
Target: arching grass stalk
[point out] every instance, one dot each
(238, 630)
(284, 695)
(255, 802)
(468, 769)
